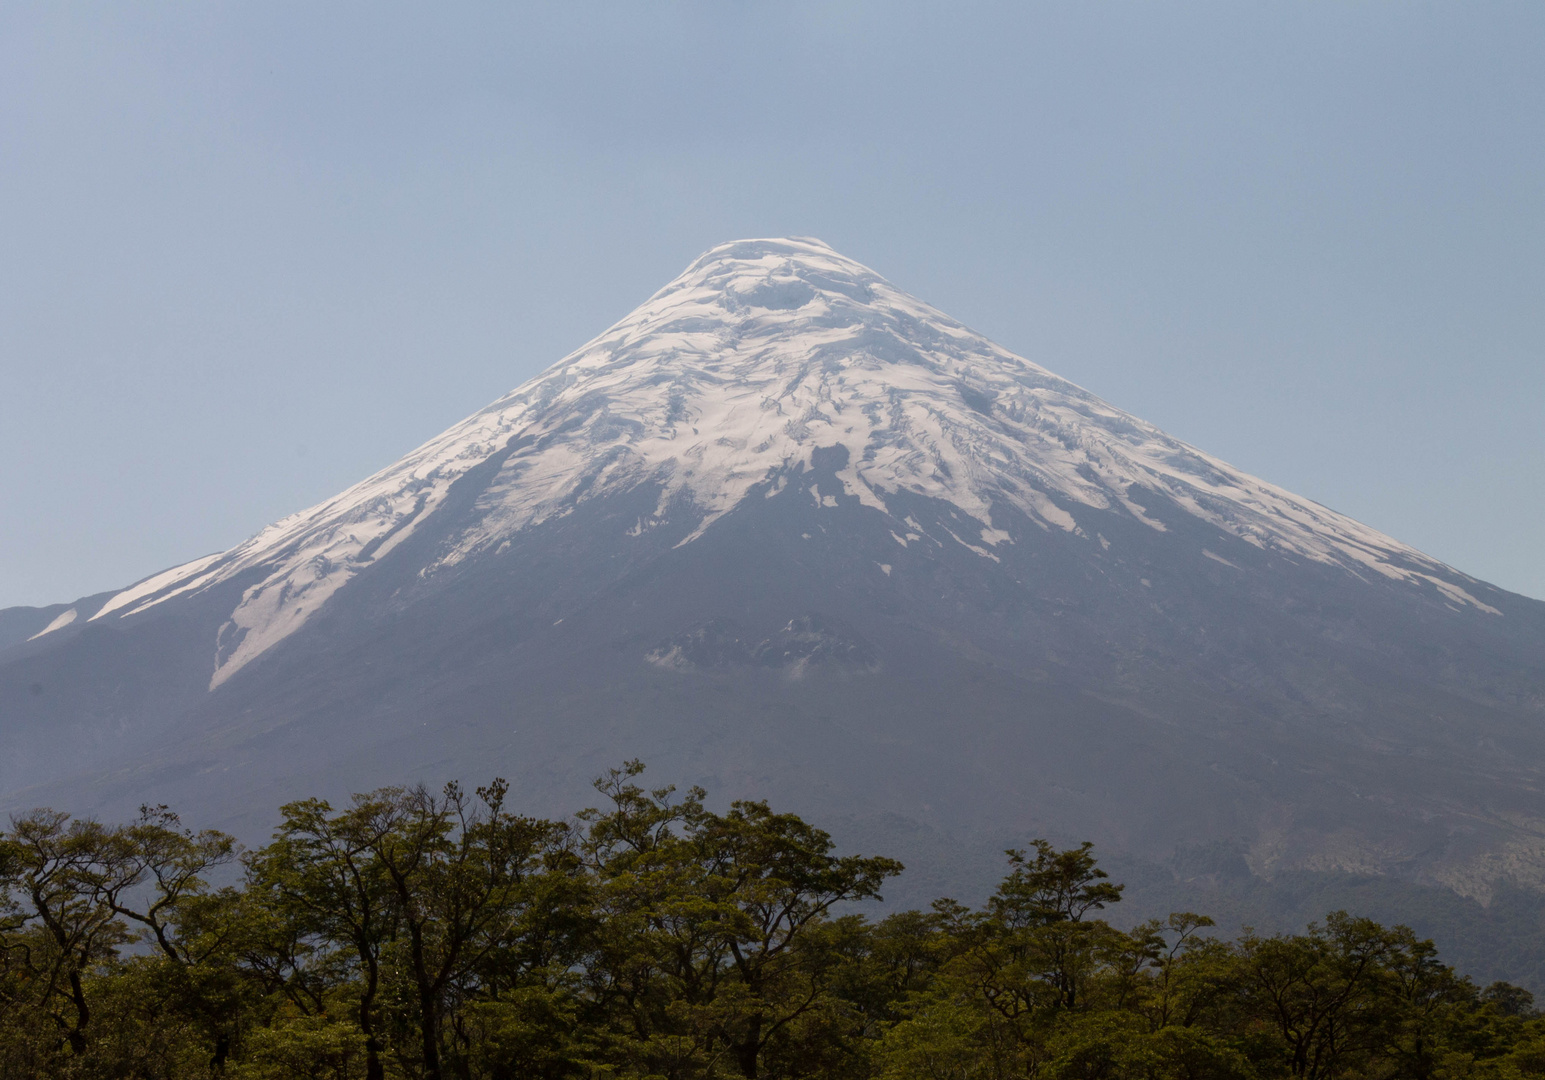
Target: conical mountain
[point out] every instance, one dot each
(792, 533)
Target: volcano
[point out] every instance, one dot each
(790, 533)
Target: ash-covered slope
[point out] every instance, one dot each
(791, 532)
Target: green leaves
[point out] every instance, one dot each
(709, 953)
(420, 935)
(1053, 887)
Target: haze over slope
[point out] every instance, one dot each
(790, 532)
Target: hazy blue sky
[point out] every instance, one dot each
(251, 253)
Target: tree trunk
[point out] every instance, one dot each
(77, 1036)
(429, 1031)
(374, 1069)
(222, 1051)
(428, 1018)
(747, 1052)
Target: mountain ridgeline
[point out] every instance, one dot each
(790, 533)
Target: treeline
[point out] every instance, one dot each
(420, 935)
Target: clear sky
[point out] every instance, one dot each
(250, 253)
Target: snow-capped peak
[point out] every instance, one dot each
(727, 379)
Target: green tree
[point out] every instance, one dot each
(458, 877)
(1324, 992)
(64, 877)
(1015, 968)
(703, 959)
(320, 877)
(190, 969)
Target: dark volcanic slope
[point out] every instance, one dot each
(790, 533)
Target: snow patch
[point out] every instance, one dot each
(155, 584)
(983, 552)
(63, 619)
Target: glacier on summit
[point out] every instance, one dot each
(721, 386)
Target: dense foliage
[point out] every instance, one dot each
(421, 935)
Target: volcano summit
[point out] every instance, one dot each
(789, 532)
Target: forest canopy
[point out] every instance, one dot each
(427, 935)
